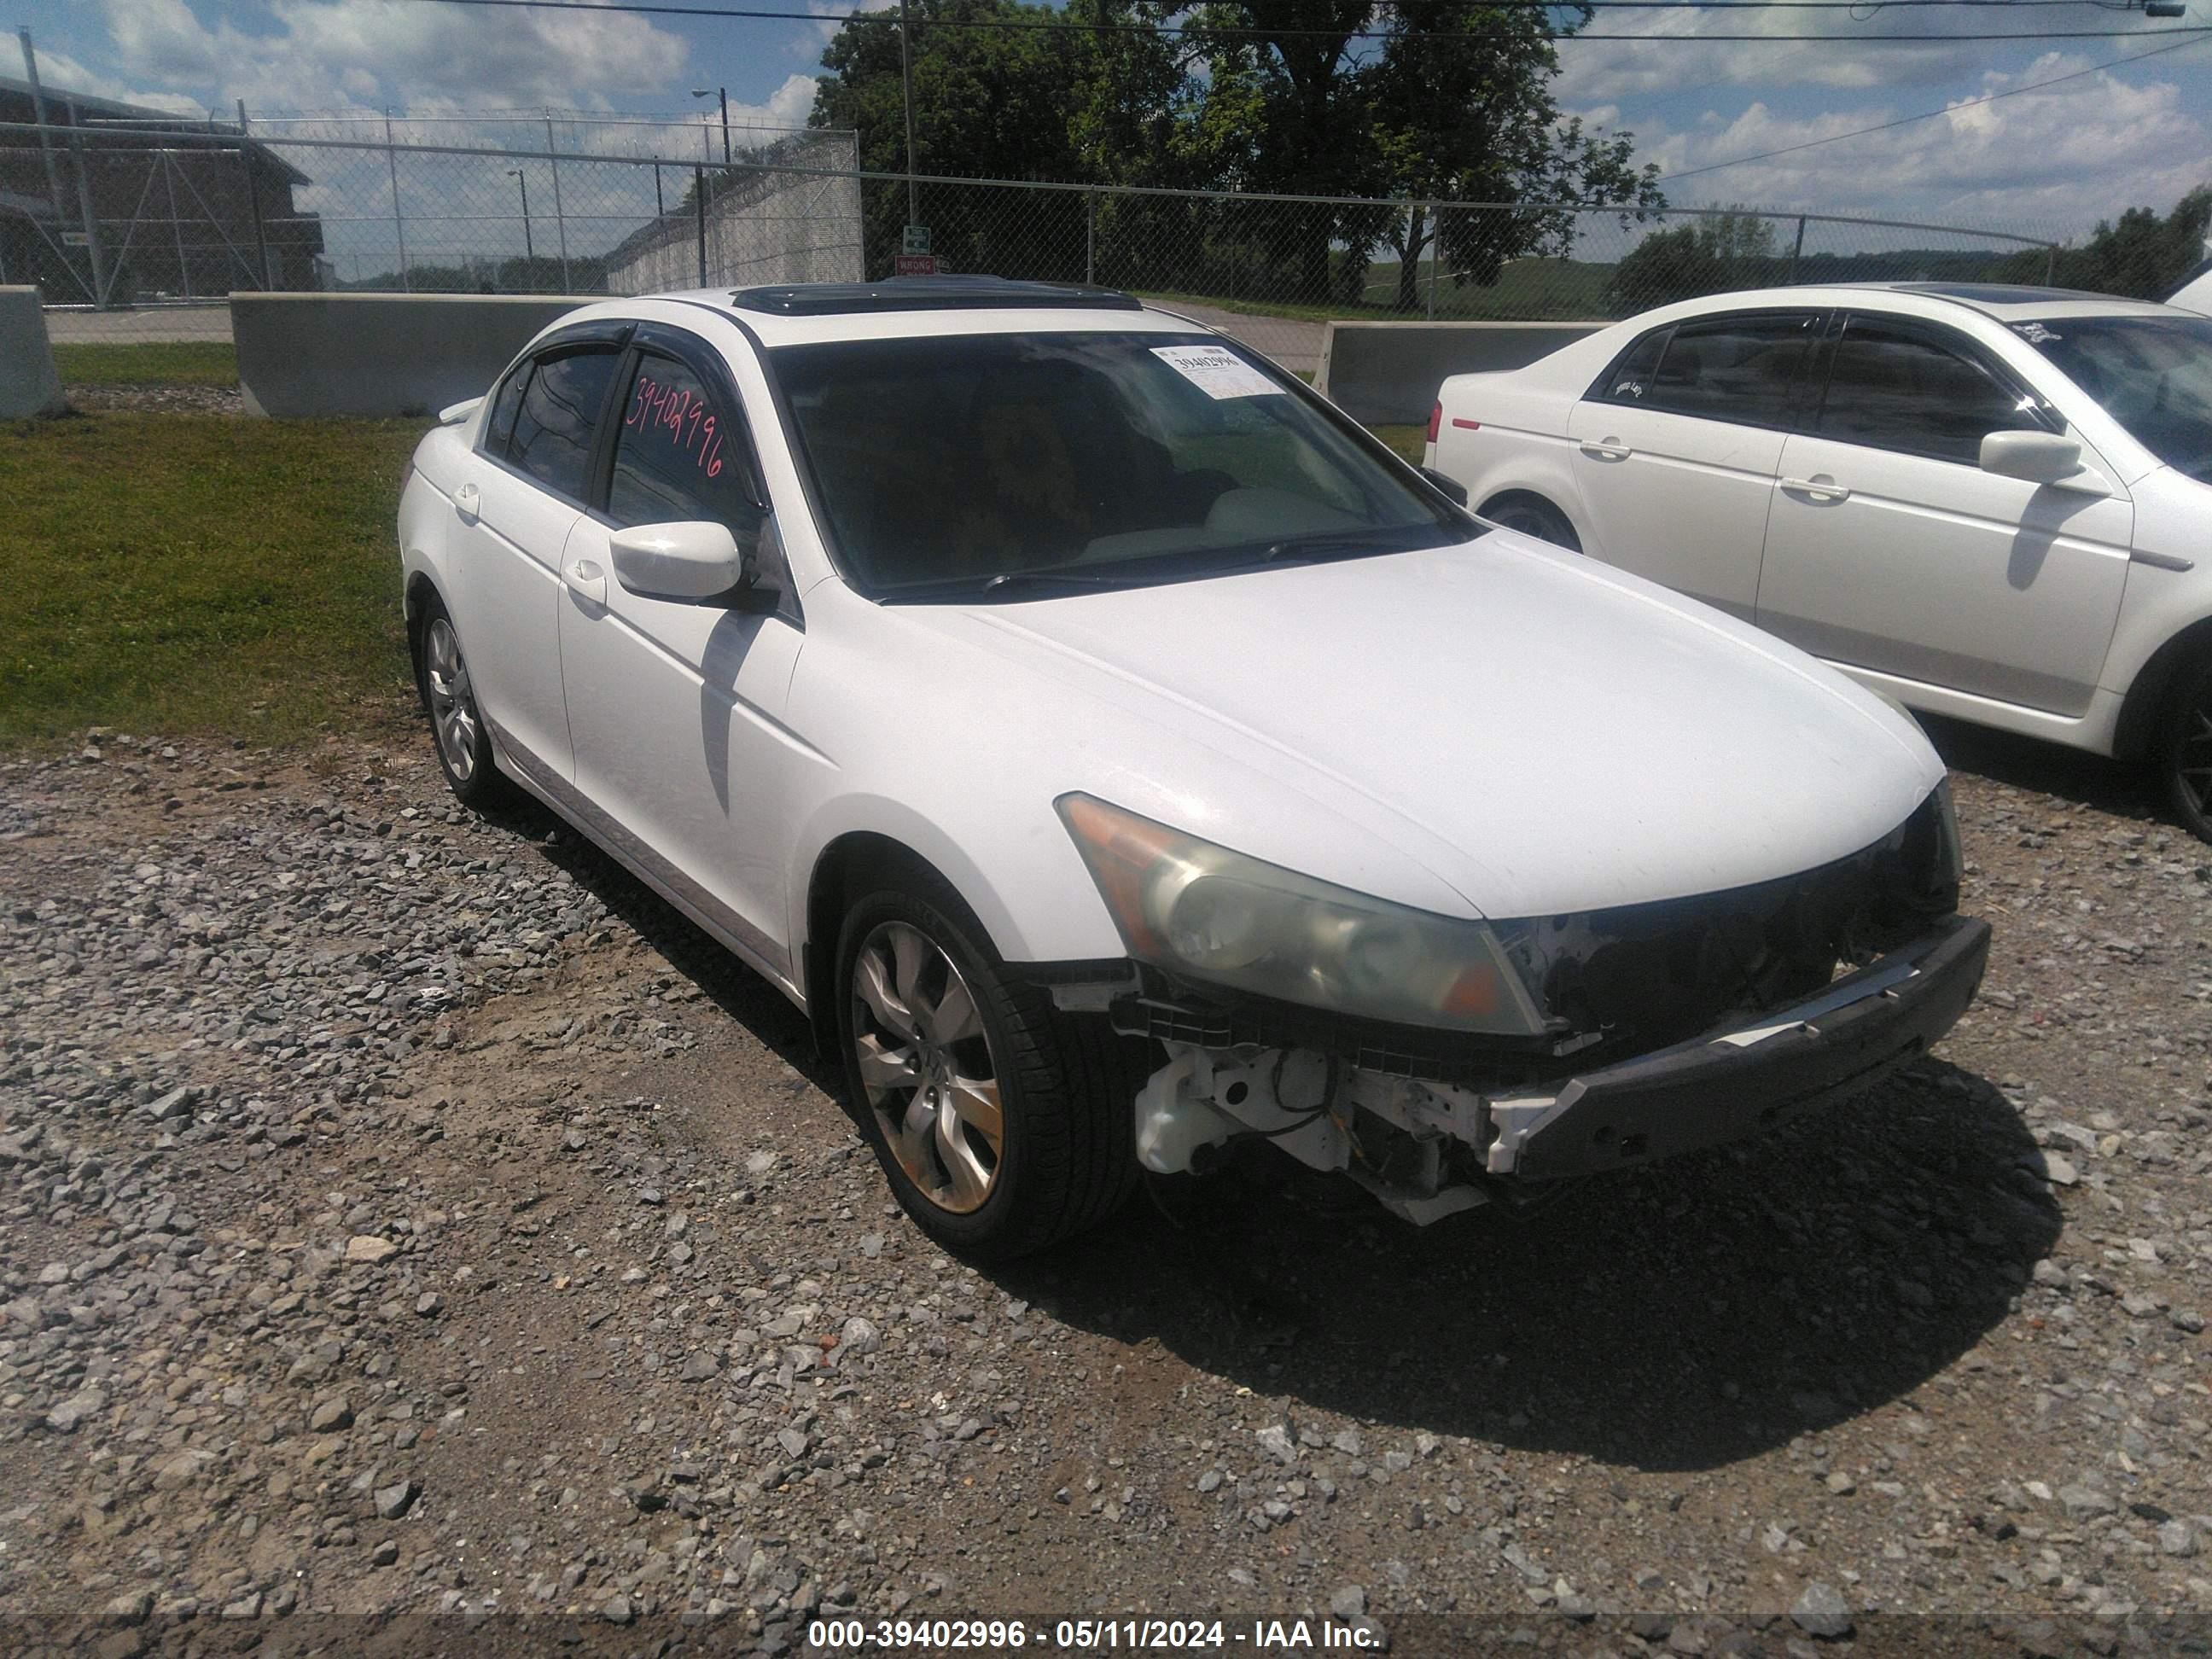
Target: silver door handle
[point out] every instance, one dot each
(1607, 449)
(589, 579)
(1822, 489)
(468, 501)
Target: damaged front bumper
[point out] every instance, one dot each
(1427, 1147)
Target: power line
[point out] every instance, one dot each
(649, 8)
(1928, 115)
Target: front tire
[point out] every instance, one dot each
(1003, 1125)
(449, 703)
(2184, 748)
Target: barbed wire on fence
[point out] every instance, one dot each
(147, 217)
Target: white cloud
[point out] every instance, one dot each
(2045, 163)
(1600, 71)
(323, 53)
(59, 73)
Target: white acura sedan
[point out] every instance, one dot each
(1988, 502)
(1117, 753)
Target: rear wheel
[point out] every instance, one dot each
(1002, 1124)
(457, 728)
(2184, 748)
(1532, 515)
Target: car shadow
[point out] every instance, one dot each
(734, 989)
(2074, 776)
(1683, 1316)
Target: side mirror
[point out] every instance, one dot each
(690, 561)
(2040, 457)
(1451, 487)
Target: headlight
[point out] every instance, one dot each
(1201, 911)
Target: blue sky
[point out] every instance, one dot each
(2047, 163)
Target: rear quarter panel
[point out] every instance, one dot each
(1504, 431)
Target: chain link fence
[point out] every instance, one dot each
(137, 232)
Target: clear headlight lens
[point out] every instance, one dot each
(1203, 910)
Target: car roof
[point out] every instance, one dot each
(2003, 302)
(807, 313)
(962, 293)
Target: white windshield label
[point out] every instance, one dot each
(1217, 372)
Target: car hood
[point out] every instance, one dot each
(1542, 733)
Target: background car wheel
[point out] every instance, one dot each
(1532, 515)
(1002, 1124)
(2185, 748)
(456, 729)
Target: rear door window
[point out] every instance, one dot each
(559, 416)
(1895, 385)
(1741, 368)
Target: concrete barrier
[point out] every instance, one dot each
(1377, 372)
(380, 354)
(28, 384)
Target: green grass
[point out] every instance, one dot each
(179, 574)
(1410, 442)
(176, 574)
(165, 362)
(1535, 290)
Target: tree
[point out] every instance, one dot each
(2139, 254)
(1472, 120)
(1264, 97)
(1066, 102)
(1733, 247)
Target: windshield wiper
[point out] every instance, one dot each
(1076, 578)
(1325, 547)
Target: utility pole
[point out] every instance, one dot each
(724, 93)
(253, 196)
(906, 87)
(100, 283)
(39, 114)
(398, 222)
(516, 173)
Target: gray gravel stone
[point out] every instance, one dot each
(1821, 1611)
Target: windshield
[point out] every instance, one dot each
(1027, 464)
(2153, 374)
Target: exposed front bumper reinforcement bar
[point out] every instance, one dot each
(1427, 1149)
(1725, 1086)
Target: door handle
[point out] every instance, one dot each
(1819, 488)
(1605, 449)
(468, 501)
(587, 578)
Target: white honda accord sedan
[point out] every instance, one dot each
(1120, 754)
(1988, 502)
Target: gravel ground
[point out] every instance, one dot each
(406, 1214)
(94, 396)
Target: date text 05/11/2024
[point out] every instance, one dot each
(1087, 1635)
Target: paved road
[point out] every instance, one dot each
(163, 323)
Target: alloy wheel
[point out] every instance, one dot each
(452, 700)
(927, 1068)
(2192, 757)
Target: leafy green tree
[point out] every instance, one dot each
(1734, 247)
(2140, 254)
(1472, 120)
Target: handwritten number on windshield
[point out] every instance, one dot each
(680, 417)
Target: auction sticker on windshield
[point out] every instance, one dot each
(1217, 372)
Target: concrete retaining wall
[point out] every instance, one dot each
(1378, 372)
(380, 354)
(28, 384)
